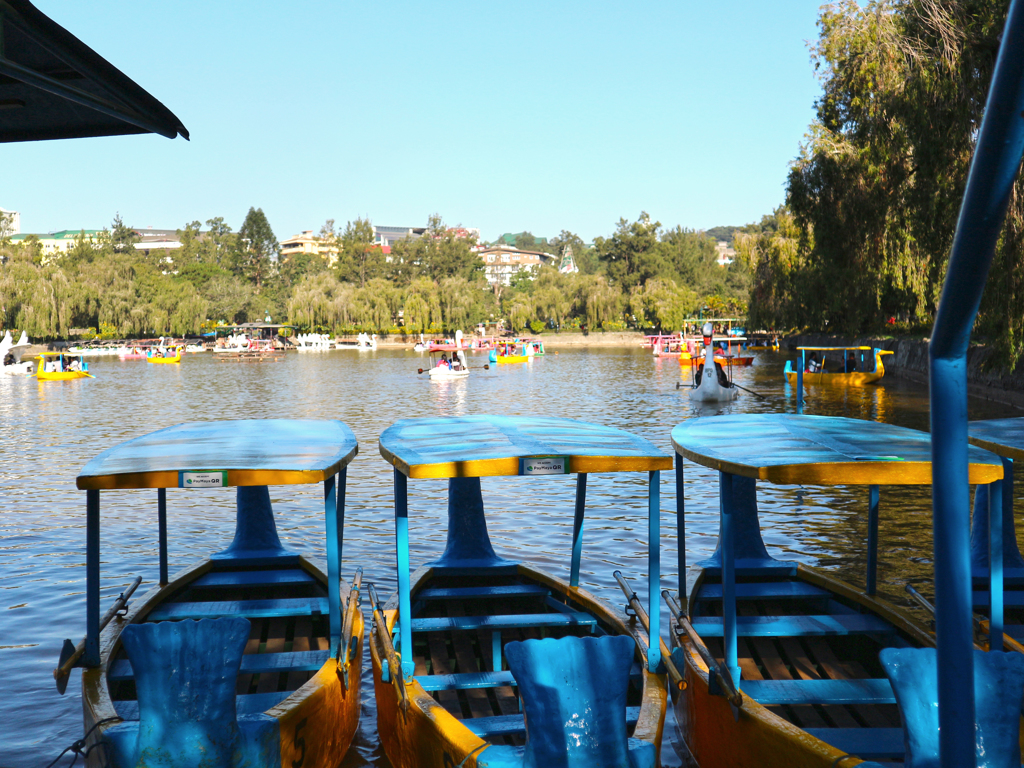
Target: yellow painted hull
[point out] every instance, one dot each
(63, 375)
(175, 359)
(508, 359)
(758, 738)
(428, 736)
(317, 721)
(855, 379)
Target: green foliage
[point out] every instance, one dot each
(439, 254)
(536, 326)
(631, 256)
(359, 259)
(256, 248)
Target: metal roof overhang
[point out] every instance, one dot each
(54, 86)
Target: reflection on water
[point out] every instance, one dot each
(49, 430)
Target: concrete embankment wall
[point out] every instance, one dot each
(910, 361)
(551, 340)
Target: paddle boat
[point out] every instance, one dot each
(313, 342)
(801, 683)
(709, 382)
(135, 352)
(366, 343)
(11, 354)
(845, 371)
(250, 656)
(463, 633)
(764, 344)
(445, 345)
(509, 352)
(61, 366)
(444, 369)
(160, 355)
(533, 347)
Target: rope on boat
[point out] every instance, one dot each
(79, 748)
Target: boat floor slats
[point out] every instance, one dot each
(511, 621)
(849, 669)
(250, 609)
(466, 659)
(465, 593)
(466, 680)
(514, 725)
(766, 589)
(302, 661)
(228, 579)
(794, 692)
(1011, 599)
(440, 663)
(794, 626)
(274, 680)
(250, 704)
(868, 743)
(300, 644)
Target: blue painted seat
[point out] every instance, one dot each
(795, 626)
(998, 692)
(765, 590)
(463, 593)
(252, 664)
(574, 699)
(491, 728)
(511, 621)
(185, 681)
(245, 704)
(465, 680)
(234, 579)
(790, 692)
(252, 609)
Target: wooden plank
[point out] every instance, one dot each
(795, 626)
(837, 670)
(503, 621)
(271, 608)
(233, 579)
(276, 629)
(441, 665)
(806, 669)
(244, 684)
(466, 593)
(508, 702)
(300, 644)
(479, 704)
(514, 725)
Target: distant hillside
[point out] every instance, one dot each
(722, 233)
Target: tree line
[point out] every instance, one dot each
(642, 276)
(872, 199)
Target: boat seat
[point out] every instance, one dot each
(466, 593)
(1011, 576)
(510, 621)
(228, 579)
(491, 728)
(794, 626)
(250, 609)
(864, 742)
(789, 692)
(998, 694)
(574, 701)
(767, 589)
(246, 704)
(252, 664)
(465, 680)
(753, 567)
(185, 681)
(1011, 599)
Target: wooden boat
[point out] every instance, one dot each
(445, 679)
(801, 683)
(255, 650)
(156, 356)
(59, 367)
(843, 374)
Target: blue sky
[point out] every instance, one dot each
(537, 116)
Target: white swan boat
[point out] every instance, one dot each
(9, 351)
(366, 343)
(313, 342)
(711, 386)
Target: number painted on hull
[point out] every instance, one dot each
(300, 744)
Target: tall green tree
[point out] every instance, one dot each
(257, 248)
(631, 256)
(359, 259)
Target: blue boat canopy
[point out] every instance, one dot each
(225, 453)
(1004, 437)
(491, 446)
(818, 450)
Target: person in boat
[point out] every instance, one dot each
(851, 362)
(443, 362)
(9, 358)
(813, 366)
(75, 365)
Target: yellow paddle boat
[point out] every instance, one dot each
(156, 356)
(509, 352)
(62, 366)
(250, 656)
(464, 633)
(847, 366)
(780, 663)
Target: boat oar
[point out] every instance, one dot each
(758, 394)
(346, 651)
(70, 654)
(638, 609)
(719, 673)
(393, 659)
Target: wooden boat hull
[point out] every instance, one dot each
(62, 375)
(852, 379)
(427, 735)
(758, 737)
(315, 723)
(166, 360)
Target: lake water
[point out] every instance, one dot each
(49, 430)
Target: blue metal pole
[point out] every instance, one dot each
(577, 529)
(654, 569)
(872, 574)
(800, 383)
(995, 566)
(92, 579)
(333, 562)
(681, 528)
(994, 168)
(161, 513)
(404, 599)
(728, 575)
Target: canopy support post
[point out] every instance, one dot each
(654, 569)
(800, 382)
(996, 499)
(872, 575)
(161, 513)
(680, 529)
(577, 529)
(92, 578)
(334, 517)
(404, 599)
(728, 577)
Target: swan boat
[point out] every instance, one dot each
(781, 664)
(366, 343)
(156, 355)
(250, 656)
(710, 388)
(8, 348)
(53, 366)
(462, 634)
(856, 375)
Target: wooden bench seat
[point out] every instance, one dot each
(469, 680)
(246, 704)
(512, 725)
(250, 609)
(252, 664)
(794, 626)
(794, 692)
(234, 579)
(464, 593)
(766, 590)
(511, 621)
